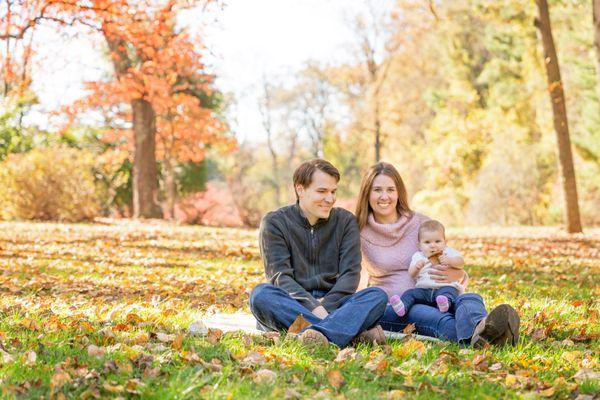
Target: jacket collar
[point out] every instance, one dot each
(303, 221)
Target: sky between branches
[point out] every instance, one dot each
(245, 40)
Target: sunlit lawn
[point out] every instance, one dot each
(95, 311)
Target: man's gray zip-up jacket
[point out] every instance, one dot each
(300, 258)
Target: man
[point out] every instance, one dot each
(311, 254)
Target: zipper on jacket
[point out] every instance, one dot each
(313, 255)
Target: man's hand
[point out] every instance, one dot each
(320, 312)
(443, 273)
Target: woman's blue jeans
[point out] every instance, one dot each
(429, 321)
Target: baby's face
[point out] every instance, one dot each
(431, 242)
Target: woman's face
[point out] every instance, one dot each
(383, 199)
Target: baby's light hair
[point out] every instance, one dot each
(431, 226)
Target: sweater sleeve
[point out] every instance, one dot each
(278, 268)
(349, 267)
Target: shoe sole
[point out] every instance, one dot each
(369, 337)
(501, 327)
(313, 337)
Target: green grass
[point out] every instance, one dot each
(122, 287)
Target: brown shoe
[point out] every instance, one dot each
(501, 326)
(374, 334)
(313, 337)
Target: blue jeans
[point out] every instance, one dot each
(429, 321)
(275, 309)
(427, 296)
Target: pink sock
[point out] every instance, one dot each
(397, 305)
(442, 303)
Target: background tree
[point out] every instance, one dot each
(559, 110)
(159, 75)
(375, 54)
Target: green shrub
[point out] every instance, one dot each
(49, 184)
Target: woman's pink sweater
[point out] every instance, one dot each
(387, 250)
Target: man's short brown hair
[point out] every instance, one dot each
(431, 226)
(304, 173)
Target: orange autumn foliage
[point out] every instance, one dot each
(156, 62)
(153, 61)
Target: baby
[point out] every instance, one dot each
(433, 251)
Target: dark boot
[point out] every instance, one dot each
(501, 326)
(374, 334)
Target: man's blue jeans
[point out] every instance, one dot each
(429, 321)
(275, 309)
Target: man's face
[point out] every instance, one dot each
(432, 242)
(318, 198)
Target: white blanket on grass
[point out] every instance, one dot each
(247, 323)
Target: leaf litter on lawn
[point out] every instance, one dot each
(106, 307)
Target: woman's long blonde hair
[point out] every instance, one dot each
(362, 206)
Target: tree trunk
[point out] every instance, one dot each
(377, 133)
(559, 110)
(145, 176)
(170, 187)
(596, 13)
(267, 124)
(145, 182)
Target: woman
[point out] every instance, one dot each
(389, 239)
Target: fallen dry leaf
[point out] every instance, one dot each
(410, 328)
(253, 359)
(585, 397)
(124, 367)
(396, 394)
(214, 336)
(299, 324)
(265, 376)
(409, 347)
(113, 388)
(547, 392)
(177, 342)
(214, 365)
(59, 378)
(347, 354)
(133, 385)
(377, 364)
(336, 379)
(496, 367)
(198, 328)
(30, 357)
(91, 392)
(5, 357)
(141, 338)
(95, 351)
(586, 374)
(274, 336)
(164, 337)
(511, 381)
(292, 394)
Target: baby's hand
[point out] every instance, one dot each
(420, 264)
(443, 259)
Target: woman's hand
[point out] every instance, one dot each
(443, 273)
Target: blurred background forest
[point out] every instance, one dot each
(454, 93)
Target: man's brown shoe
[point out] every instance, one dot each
(313, 337)
(374, 334)
(501, 326)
